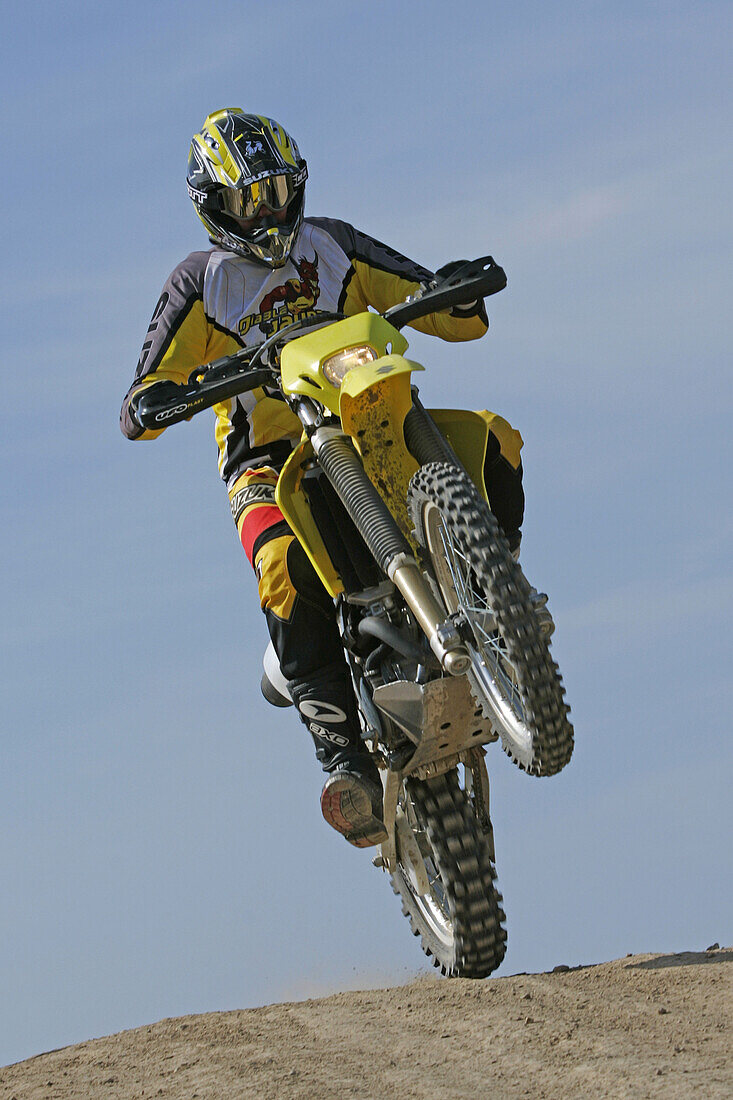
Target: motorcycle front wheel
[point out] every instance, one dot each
(454, 906)
(513, 676)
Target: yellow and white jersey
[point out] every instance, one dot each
(216, 302)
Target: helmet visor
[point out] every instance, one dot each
(274, 192)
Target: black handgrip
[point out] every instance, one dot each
(468, 282)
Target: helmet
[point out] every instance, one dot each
(237, 164)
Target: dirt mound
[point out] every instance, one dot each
(646, 1025)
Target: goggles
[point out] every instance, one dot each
(274, 192)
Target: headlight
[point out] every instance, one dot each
(337, 366)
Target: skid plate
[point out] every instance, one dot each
(442, 718)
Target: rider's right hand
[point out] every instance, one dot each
(468, 309)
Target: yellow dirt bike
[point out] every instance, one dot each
(441, 630)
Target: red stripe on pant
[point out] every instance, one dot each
(257, 520)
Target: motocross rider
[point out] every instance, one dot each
(268, 266)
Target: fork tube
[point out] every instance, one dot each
(424, 442)
(339, 461)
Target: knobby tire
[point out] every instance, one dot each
(546, 742)
(468, 938)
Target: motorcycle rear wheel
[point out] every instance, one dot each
(513, 676)
(460, 918)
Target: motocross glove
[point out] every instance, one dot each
(443, 273)
(449, 269)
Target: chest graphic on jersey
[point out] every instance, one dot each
(281, 305)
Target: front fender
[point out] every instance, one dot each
(374, 403)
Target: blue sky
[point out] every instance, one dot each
(588, 148)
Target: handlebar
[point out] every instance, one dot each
(219, 380)
(166, 402)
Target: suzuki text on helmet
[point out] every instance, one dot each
(246, 178)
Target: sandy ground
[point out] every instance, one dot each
(643, 1026)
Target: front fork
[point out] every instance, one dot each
(342, 466)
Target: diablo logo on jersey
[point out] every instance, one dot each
(294, 298)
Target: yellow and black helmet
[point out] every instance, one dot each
(239, 164)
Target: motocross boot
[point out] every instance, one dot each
(351, 800)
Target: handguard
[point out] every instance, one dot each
(165, 402)
(468, 282)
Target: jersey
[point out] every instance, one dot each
(216, 302)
